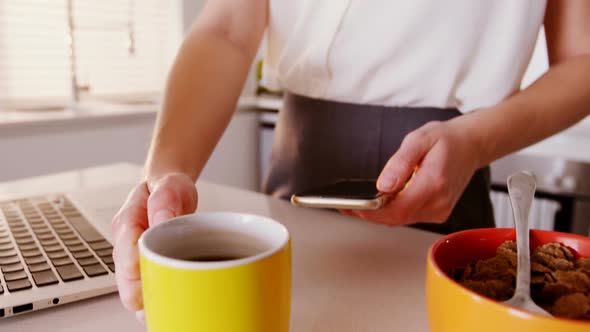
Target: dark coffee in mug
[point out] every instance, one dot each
(217, 246)
(214, 258)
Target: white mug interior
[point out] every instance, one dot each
(180, 242)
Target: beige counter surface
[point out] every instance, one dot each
(348, 275)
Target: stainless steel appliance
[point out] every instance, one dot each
(560, 182)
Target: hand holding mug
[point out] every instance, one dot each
(149, 203)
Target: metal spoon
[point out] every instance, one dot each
(521, 189)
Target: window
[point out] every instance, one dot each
(110, 49)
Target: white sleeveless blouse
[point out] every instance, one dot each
(441, 53)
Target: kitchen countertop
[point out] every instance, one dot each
(348, 275)
(87, 113)
(93, 111)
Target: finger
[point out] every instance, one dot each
(402, 210)
(413, 201)
(401, 165)
(162, 215)
(382, 215)
(170, 197)
(126, 257)
(443, 188)
(130, 293)
(136, 201)
(140, 315)
(439, 207)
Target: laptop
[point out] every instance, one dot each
(56, 248)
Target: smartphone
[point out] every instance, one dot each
(345, 194)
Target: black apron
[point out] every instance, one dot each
(318, 142)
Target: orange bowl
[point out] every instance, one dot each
(451, 307)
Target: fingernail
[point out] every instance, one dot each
(140, 315)
(386, 182)
(161, 216)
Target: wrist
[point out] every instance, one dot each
(153, 172)
(165, 160)
(472, 131)
(165, 179)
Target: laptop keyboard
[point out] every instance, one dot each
(45, 240)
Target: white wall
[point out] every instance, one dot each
(235, 159)
(539, 62)
(36, 149)
(190, 9)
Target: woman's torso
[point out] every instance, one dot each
(454, 53)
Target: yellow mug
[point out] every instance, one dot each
(216, 272)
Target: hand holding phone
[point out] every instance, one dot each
(356, 194)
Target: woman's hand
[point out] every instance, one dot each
(442, 158)
(149, 204)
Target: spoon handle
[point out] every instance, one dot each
(521, 187)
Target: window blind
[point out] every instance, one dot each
(122, 48)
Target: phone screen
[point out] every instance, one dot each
(346, 189)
